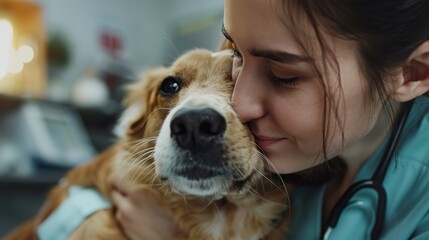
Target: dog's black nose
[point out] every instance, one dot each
(197, 128)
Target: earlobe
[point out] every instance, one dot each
(415, 75)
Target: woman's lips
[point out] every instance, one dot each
(263, 141)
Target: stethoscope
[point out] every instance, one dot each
(375, 182)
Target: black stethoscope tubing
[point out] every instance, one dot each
(375, 182)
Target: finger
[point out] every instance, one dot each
(120, 184)
(122, 206)
(118, 197)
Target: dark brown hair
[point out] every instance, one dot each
(385, 33)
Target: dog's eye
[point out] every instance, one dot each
(170, 86)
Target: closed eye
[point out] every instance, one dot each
(285, 82)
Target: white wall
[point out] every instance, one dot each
(149, 28)
(197, 17)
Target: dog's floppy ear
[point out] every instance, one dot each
(139, 103)
(130, 114)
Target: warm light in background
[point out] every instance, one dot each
(6, 33)
(25, 54)
(22, 49)
(11, 60)
(15, 66)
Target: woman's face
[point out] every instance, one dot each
(279, 95)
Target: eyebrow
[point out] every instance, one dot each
(278, 56)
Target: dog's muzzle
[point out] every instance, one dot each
(200, 151)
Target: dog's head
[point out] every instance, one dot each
(180, 122)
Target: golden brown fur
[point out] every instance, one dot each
(244, 211)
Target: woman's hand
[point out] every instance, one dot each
(141, 217)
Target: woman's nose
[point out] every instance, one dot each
(248, 96)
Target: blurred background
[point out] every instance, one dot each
(63, 65)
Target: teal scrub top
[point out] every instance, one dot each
(406, 184)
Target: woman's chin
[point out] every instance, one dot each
(282, 165)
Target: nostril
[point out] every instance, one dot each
(181, 129)
(213, 126)
(211, 123)
(206, 127)
(209, 128)
(178, 127)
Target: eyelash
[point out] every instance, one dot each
(236, 54)
(286, 82)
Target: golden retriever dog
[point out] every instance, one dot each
(183, 143)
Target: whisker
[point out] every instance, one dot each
(141, 162)
(151, 114)
(139, 140)
(137, 155)
(276, 171)
(272, 182)
(185, 201)
(131, 156)
(148, 171)
(169, 51)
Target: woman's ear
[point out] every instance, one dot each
(415, 75)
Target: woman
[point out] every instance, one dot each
(312, 80)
